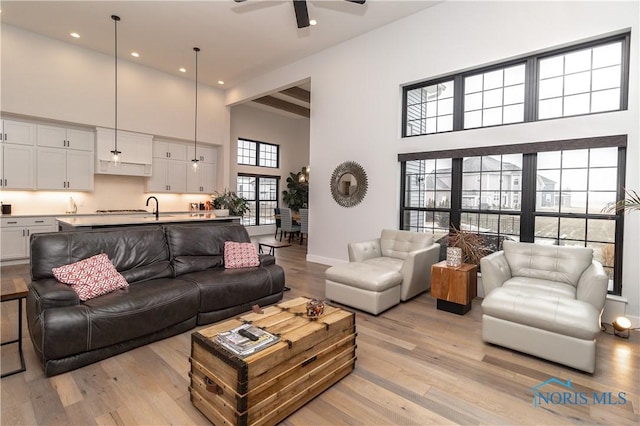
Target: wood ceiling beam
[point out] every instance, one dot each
(284, 105)
(298, 93)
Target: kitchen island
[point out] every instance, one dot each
(82, 223)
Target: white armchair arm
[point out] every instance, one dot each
(361, 251)
(495, 271)
(416, 271)
(592, 286)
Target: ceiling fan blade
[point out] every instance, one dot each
(352, 1)
(302, 14)
(239, 1)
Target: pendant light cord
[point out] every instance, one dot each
(115, 130)
(195, 129)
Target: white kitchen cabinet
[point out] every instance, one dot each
(202, 181)
(65, 169)
(205, 153)
(17, 155)
(173, 150)
(16, 234)
(136, 151)
(168, 176)
(18, 132)
(60, 137)
(17, 169)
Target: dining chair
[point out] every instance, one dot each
(276, 213)
(286, 222)
(304, 223)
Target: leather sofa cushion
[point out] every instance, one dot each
(399, 244)
(364, 276)
(188, 244)
(553, 263)
(137, 253)
(556, 314)
(139, 310)
(222, 288)
(540, 287)
(391, 263)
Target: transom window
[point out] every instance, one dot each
(430, 109)
(495, 97)
(587, 78)
(580, 82)
(255, 153)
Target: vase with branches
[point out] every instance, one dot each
(472, 245)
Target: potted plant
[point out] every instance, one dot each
(229, 203)
(631, 203)
(472, 245)
(296, 196)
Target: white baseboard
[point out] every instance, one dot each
(324, 260)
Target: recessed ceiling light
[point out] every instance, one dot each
(220, 82)
(183, 70)
(313, 22)
(75, 35)
(135, 54)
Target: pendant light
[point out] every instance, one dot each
(195, 160)
(116, 156)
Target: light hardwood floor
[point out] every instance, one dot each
(415, 366)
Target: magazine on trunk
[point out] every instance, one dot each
(246, 339)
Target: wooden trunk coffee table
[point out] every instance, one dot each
(267, 386)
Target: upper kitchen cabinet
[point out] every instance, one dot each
(64, 158)
(17, 155)
(18, 132)
(136, 149)
(205, 153)
(60, 137)
(171, 150)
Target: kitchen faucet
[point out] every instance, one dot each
(157, 212)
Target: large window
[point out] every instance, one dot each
(548, 193)
(261, 192)
(580, 82)
(254, 153)
(585, 78)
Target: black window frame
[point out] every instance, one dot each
(258, 156)
(531, 83)
(528, 211)
(257, 198)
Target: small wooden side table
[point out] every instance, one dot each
(272, 245)
(454, 287)
(15, 292)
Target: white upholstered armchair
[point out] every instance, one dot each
(545, 301)
(409, 253)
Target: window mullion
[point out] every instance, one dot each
(531, 90)
(528, 202)
(458, 103)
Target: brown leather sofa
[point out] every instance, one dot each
(176, 277)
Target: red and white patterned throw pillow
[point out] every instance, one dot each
(240, 255)
(91, 277)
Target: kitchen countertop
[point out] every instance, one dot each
(102, 220)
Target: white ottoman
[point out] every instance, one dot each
(369, 288)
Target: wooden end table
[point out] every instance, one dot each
(8, 293)
(454, 287)
(272, 245)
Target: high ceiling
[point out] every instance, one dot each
(237, 40)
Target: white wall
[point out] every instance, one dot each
(357, 95)
(291, 134)
(43, 78)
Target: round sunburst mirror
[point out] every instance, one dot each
(349, 184)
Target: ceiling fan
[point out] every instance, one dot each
(302, 14)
